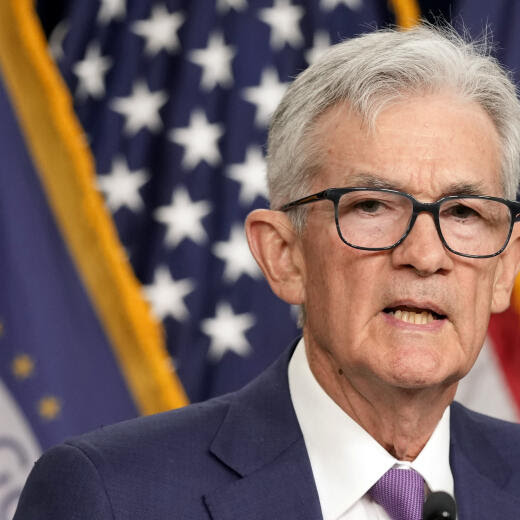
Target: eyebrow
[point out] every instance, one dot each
(370, 180)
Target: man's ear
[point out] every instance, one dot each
(276, 248)
(505, 275)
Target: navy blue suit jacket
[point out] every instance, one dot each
(240, 456)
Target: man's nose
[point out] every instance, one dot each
(423, 249)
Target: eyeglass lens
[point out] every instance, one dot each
(375, 219)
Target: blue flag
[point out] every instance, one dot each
(78, 346)
(175, 97)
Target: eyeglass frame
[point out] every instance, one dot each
(334, 195)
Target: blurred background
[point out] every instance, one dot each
(132, 143)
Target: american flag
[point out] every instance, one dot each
(175, 97)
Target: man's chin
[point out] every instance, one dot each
(420, 372)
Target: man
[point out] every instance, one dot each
(390, 164)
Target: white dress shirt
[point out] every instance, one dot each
(346, 461)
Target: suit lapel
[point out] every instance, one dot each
(283, 488)
(260, 439)
(479, 470)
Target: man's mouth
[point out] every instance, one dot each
(417, 316)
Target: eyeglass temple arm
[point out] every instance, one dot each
(305, 200)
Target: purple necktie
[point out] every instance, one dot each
(401, 493)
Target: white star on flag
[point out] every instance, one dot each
(251, 176)
(223, 6)
(166, 295)
(329, 5)
(160, 30)
(236, 255)
(283, 19)
(141, 108)
(91, 72)
(321, 42)
(121, 186)
(227, 332)
(111, 10)
(183, 218)
(199, 140)
(265, 96)
(215, 61)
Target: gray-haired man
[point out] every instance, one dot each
(391, 162)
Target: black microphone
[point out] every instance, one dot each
(439, 506)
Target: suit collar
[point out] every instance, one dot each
(480, 471)
(260, 422)
(260, 439)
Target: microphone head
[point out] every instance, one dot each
(439, 506)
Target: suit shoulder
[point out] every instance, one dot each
(142, 468)
(469, 424)
(461, 414)
(63, 466)
(196, 423)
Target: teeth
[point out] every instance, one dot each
(419, 318)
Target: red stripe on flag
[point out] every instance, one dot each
(504, 331)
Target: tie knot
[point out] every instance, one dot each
(401, 493)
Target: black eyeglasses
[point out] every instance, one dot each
(375, 219)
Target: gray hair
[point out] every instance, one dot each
(370, 72)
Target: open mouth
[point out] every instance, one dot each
(414, 315)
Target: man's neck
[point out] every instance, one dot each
(399, 419)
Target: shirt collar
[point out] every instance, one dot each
(346, 461)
